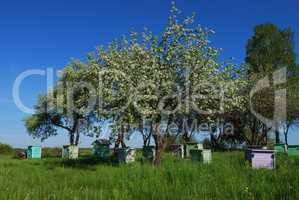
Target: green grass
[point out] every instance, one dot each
(228, 177)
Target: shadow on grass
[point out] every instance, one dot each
(86, 163)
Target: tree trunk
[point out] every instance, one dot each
(252, 137)
(158, 156)
(77, 138)
(146, 137)
(72, 138)
(277, 138)
(286, 143)
(160, 147)
(161, 141)
(286, 138)
(161, 144)
(120, 139)
(77, 131)
(265, 139)
(74, 134)
(265, 136)
(214, 140)
(186, 140)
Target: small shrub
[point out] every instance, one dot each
(6, 149)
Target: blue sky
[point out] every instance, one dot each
(43, 34)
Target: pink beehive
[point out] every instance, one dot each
(261, 158)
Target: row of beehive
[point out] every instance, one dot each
(101, 150)
(258, 157)
(194, 151)
(69, 151)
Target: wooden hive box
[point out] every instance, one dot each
(70, 152)
(203, 155)
(190, 147)
(195, 154)
(261, 158)
(34, 152)
(149, 152)
(101, 149)
(206, 156)
(131, 155)
(177, 150)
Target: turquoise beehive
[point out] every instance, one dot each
(34, 152)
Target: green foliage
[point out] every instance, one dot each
(6, 149)
(269, 49)
(42, 124)
(67, 106)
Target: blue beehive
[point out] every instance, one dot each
(101, 149)
(34, 152)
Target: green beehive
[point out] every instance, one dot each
(34, 152)
(121, 154)
(293, 150)
(148, 152)
(101, 149)
(195, 154)
(70, 152)
(191, 146)
(279, 148)
(203, 155)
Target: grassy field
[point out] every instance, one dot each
(228, 177)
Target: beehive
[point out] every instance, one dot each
(206, 156)
(34, 152)
(177, 150)
(203, 155)
(121, 154)
(131, 155)
(126, 155)
(200, 146)
(70, 152)
(101, 149)
(260, 158)
(149, 152)
(195, 154)
(191, 146)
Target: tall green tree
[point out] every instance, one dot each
(68, 107)
(162, 80)
(269, 49)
